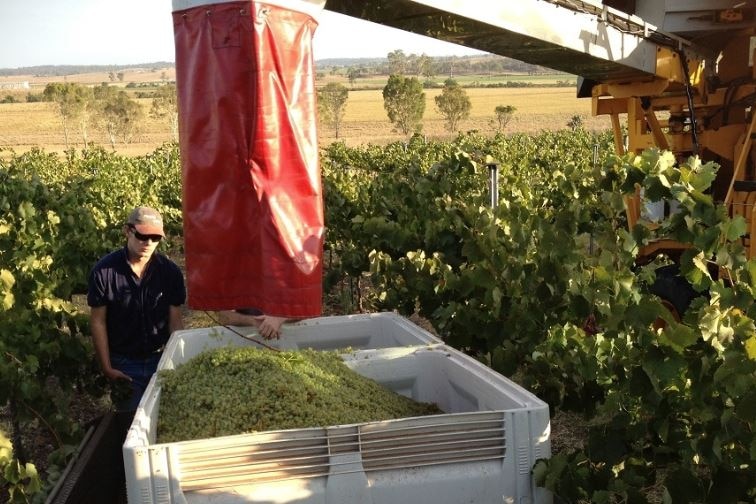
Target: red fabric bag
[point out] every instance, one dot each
(252, 196)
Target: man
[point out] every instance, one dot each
(135, 295)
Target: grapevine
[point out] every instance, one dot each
(545, 285)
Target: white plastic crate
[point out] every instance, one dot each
(374, 330)
(480, 450)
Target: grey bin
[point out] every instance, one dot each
(481, 450)
(375, 330)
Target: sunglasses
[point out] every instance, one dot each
(145, 237)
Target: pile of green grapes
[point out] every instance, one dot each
(235, 390)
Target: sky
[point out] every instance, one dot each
(110, 32)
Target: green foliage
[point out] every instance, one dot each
(19, 480)
(397, 62)
(57, 218)
(165, 106)
(503, 115)
(73, 102)
(547, 284)
(426, 66)
(35, 97)
(332, 100)
(353, 73)
(404, 101)
(453, 104)
(44, 353)
(575, 122)
(117, 114)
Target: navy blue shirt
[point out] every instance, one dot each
(137, 315)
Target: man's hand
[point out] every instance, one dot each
(269, 326)
(115, 374)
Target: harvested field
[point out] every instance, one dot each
(26, 125)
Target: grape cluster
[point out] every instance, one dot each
(236, 390)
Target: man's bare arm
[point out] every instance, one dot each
(175, 319)
(269, 326)
(230, 317)
(99, 331)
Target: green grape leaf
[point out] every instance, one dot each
(751, 269)
(727, 487)
(8, 301)
(6, 278)
(750, 347)
(683, 486)
(704, 176)
(745, 408)
(735, 228)
(602, 497)
(6, 449)
(540, 472)
(678, 337)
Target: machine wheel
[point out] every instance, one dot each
(674, 291)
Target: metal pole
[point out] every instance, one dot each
(595, 156)
(493, 184)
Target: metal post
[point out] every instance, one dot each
(493, 184)
(595, 156)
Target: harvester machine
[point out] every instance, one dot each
(679, 72)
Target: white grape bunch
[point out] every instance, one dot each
(236, 390)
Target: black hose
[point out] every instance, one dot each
(689, 94)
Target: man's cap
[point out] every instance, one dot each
(146, 220)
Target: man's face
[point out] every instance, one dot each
(140, 246)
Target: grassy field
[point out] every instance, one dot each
(378, 81)
(537, 109)
(26, 125)
(135, 75)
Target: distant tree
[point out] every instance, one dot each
(163, 76)
(503, 114)
(495, 66)
(353, 74)
(72, 101)
(411, 66)
(332, 100)
(9, 99)
(425, 66)
(575, 122)
(165, 106)
(453, 104)
(104, 94)
(404, 101)
(118, 114)
(397, 62)
(120, 76)
(450, 65)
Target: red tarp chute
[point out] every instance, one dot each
(252, 196)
